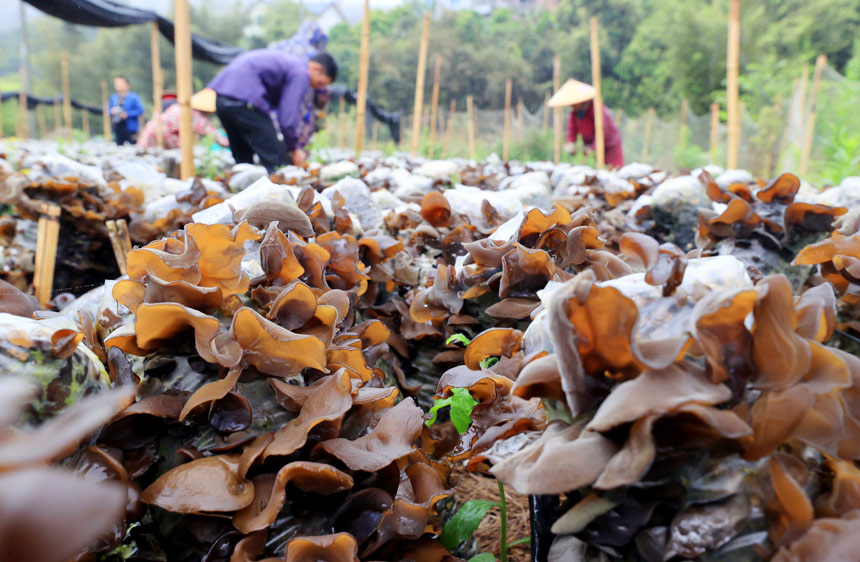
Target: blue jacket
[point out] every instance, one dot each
(132, 106)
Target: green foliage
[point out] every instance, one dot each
(488, 362)
(483, 557)
(461, 404)
(461, 338)
(464, 523)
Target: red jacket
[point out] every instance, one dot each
(613, 153)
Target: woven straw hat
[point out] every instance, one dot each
(572, 93)
(204, 100)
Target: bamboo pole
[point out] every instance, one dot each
(774, 142)
(157, 82)
(85, 122)
(105, 112)
(22, 103)
(40, 119)
(46, 251)
(506, 139)
(470, 111)
(804, 88)
(448, 132)
(67, 94)
(341, 123)
(520, 115)
(374, 133)
(732, 64)
(556, 113)
(58, 120)
(545, 123)
(619, 114)
(434, 103)
(715, 130)
(810, 121)
(649, 124)
(598, 96)
(1, 119)
(683, 131)
(418, 105)
(182, 42)
(363, 65)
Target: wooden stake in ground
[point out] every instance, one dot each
(418, 105)
(804, 88)
(363, 66)
(810, 121)
(649, 124)
(619, 113)
(715, 131)
(105, 112)
(120, 241)
(85, 122)
(451, 113)
(520, 115)
(732, 64)
(556, 112)
(341, 123)
(374, 133)
(434, 104)
(22, 103)
(545, 122)
(506, 139)
(40, 119)
(182, 42)
(157, 82)
(470, 111)
(599, 147)
(46, 251)
(683, 131)
(67, 94)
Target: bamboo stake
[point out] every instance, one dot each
(773, 148)
(182, 43)
(683, 130)
(619, 113)
(434, 104)
(157, 82)
(105, 112)
(556, 113)
(341, 123)
(804, 87)
(374, 132)
(120, 242)
(67, 94)
(46, 251)
(418, 105)
(545, 123)
(58, 120)
(40, 118)
(810, 121)
(598, 96)
(451, 113)
(1, 119)
(363, 65)
(506, 139)
(715, 130)
(470, 110)
(732, 64)
(520, 115)
(649, 124)
(85, 122)
(22, 101)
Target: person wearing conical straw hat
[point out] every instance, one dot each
(579, 96)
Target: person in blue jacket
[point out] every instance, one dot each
(125, 111)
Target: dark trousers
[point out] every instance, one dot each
(250, 132)
(121, 134)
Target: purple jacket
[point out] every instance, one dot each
(270, 80)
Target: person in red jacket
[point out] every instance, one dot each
(579, 96)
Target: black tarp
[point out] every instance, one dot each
(105, 13)
(33, 101)
(390, 118)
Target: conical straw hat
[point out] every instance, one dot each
(571, 93)
(204, 100)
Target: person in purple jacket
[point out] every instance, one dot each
(264, 81)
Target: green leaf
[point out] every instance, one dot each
(434, 411)
(483, 557)
(462, 405)
(458, 338)
(464, 523)
(488, 362)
